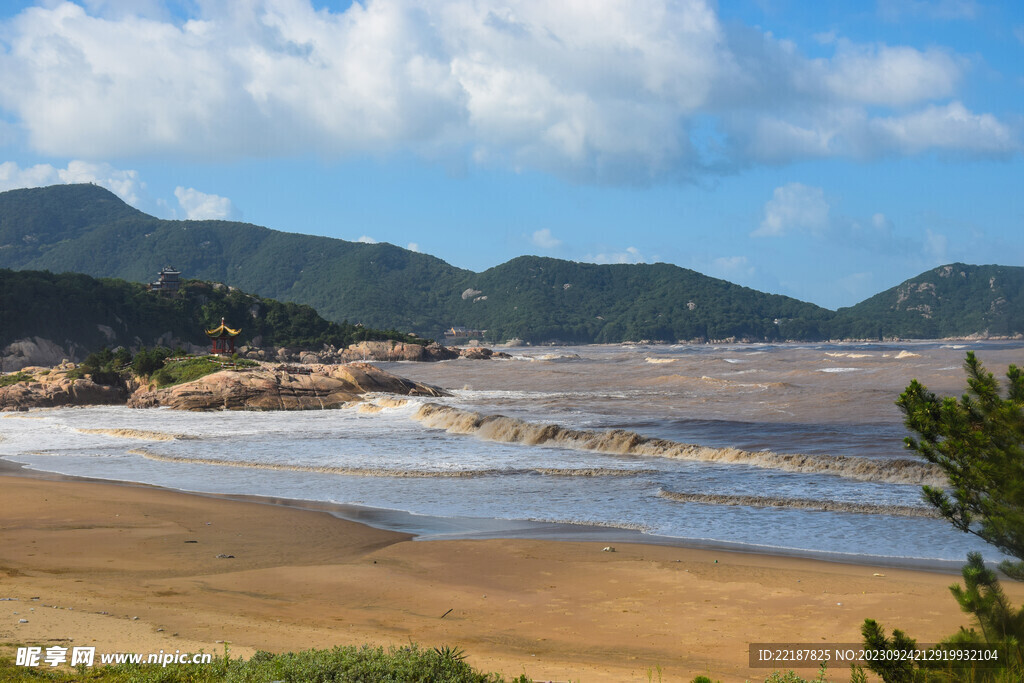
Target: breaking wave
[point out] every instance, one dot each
(511, 430)
(388, 402)
(799, 503)
(134, 434)
(394, 473)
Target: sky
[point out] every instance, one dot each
(822, 150)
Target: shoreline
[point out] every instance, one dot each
(138, 568)
(431, 528)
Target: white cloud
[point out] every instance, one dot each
(545, 240)
(597, 92)
(949, 128)
(630, 255)
(794, 208)
(891, 76)
(124, 183)
(366, 239)
(413, 246)
(201, 206)
(127, 8)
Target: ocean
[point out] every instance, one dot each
(780, 448)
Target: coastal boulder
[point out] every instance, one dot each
(310, 387)
(395, 351)
(52, 388)
(481, 353)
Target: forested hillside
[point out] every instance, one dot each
(954, 300)
(79, 311)
(86, 229)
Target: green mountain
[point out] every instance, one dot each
(955, 300)
(537, 298)
(82, 313)
(86, 229)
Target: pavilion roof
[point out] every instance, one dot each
(223, 329)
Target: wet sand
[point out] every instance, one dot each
(82, 559)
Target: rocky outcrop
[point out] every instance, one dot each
(386, 350)
(52, 388)
(369, 351)
(362, 351)
(268, 387)
(33, 351)
(481, 353)
(312, 387)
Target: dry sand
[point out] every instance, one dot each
(83, 559)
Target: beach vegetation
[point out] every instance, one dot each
(349, 664)
(104, 366)
(148, 361)
(14, 378)
(793, 677)
(181, 370)
(978, 442)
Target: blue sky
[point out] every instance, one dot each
(824, 150)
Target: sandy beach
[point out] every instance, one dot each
(130, 568)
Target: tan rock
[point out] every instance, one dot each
(52, 388)
(481, 353)
(311, 387)
(393, 351)
(31, 351)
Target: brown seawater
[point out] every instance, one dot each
(780, 448)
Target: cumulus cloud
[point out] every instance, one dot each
(597, 92)
(124, 183)
(545, 240)
(794, 208)
(366, 239)
(891, 76)
(951, 128)
(201, 206)
(413, 246)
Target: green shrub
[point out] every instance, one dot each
(146, 362)
(14, 378)
(348, 664)
(187, 370)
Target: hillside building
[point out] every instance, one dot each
(169, 282)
